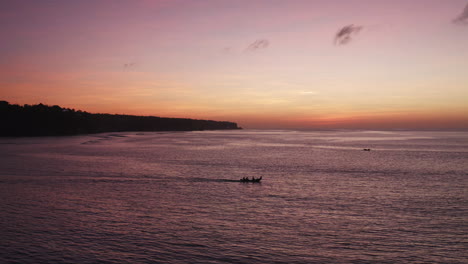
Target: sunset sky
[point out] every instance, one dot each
(375, 64)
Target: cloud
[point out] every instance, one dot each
(345, 34)
(462, 19)
(258, 45)
(226, 50)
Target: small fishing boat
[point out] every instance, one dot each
(246, 179)
(366, 149)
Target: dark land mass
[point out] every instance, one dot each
(43, 120)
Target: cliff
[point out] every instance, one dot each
(43, 120)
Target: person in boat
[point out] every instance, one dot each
(246, 179)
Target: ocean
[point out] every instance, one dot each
(174, 197)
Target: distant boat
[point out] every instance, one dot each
(246, 179)
(366, 149)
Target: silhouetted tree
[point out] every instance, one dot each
(43, 120)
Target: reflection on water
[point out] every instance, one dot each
(174, 197)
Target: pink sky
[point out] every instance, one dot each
(405, 68)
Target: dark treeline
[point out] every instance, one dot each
(43, 120)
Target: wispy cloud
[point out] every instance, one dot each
(128, 65)
(345, 34)
(462, 19)
(258, 45)
(227, 50)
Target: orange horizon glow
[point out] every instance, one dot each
(263, 65)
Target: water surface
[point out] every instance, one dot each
(172, 197)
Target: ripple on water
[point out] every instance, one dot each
(175, 198)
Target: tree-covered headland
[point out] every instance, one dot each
(44, 120)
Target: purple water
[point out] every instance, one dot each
(171, 198)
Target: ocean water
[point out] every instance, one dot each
(173, 197)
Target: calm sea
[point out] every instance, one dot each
(172, 197)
